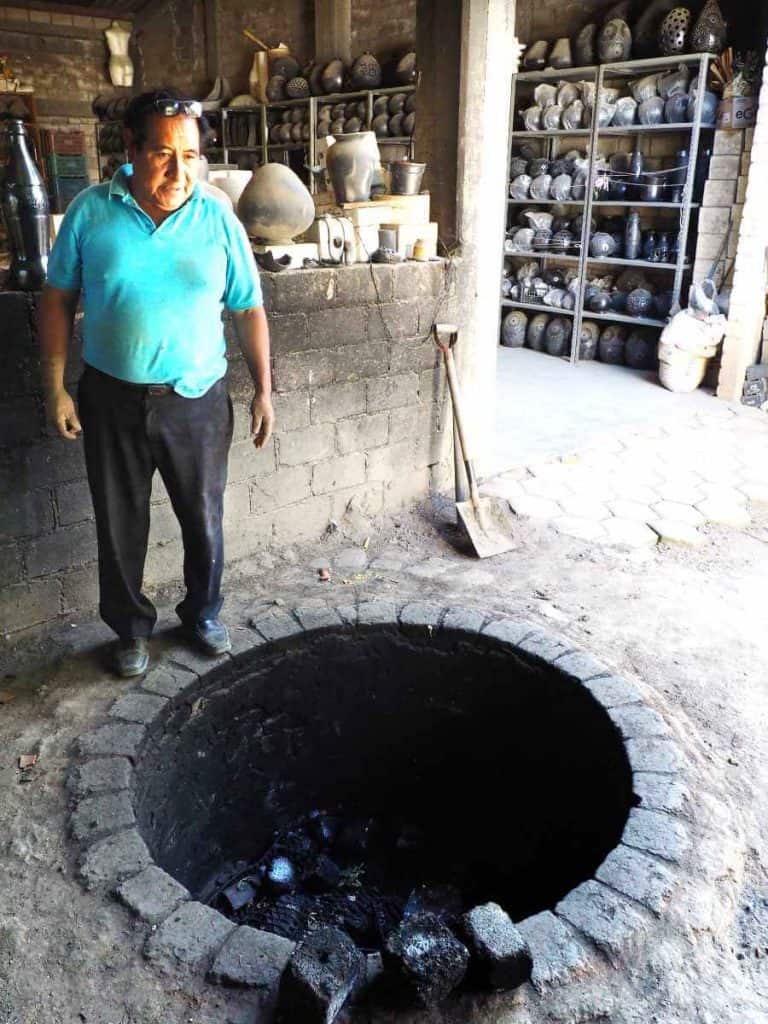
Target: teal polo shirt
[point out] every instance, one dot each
(153, 296)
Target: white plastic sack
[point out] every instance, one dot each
(685, 346)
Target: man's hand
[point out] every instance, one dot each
(262, 419)
(61, 413)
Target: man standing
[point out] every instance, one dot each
(156, 260)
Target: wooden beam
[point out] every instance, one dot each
(122, 12)
(212, 38)
(333, 30)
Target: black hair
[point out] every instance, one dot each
(141, 108)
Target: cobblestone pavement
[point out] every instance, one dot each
(662, 484)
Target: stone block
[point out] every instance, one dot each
(363, 284)
(138, 707)
(295, 291)
(291, 410)
(249, 463)
(297, 371)
(580, 528)
(421, 614)
(530, 507)
(605, 917)
(649, 754)
(286, 487)
(359, 433)
(337, 401)
(500, 955)
(376, 613)
(101, 775)
(542, 646)
(367, 500)
(302, 523)
(393, 321)
(310, 445)
(414, 354)
(634, 874)
(192, 935)
(724, 167)
(424, 959)
(350, 560)
(727, 144)
(581, 666)
(274, 624)
(288, 332)
(390, 462)
(358, 362)
(393, 392)
(419, 280)
(708, 246)
(317, 618)
(28, 604)
(62, 549)
(407, 490)
(719, 192)
(21, 421)
(559, 954)
(11, 567)
(337, 327)
(121, 739)
(672, 531)
(168, 681)
(432, 385)
(656, 832)
(715, 220)
(430, 568)
(152, 895)
(636, 720)
(107, 862)
(25, 514)
(320, 976)
(725, 513)
(252, 958)
(339, 473)
(97, 816)
(464, 620)
(510, 631)
(659, 792)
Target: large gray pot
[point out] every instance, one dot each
(351, 161)
(275, 205)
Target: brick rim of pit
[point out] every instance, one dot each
(598, 922)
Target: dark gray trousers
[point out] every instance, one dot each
(129, 431)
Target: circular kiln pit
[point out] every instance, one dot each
(536, 778)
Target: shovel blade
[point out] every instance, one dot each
(484, 529)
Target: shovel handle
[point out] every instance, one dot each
(440, 332)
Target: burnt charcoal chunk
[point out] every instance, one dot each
(444, 901)
(280, 876)
(323, 876)
(355, 837)
(501, 958)
(425, 959)
(287, 916)
(298, 847)
(325, 827)
(319, 978)
(241, 893)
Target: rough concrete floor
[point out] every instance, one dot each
(690, 623)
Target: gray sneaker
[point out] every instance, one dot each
(132, 657)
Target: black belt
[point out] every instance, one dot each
(151, 389)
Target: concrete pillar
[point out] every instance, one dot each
(488, 58)
(333, 30)
(745, 322)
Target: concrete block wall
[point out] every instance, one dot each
(722, 205)
(742, 342)
(362, 423)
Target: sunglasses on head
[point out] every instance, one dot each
(171, 108)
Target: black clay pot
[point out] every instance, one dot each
(601, 245)
(297, 88)
(614, 42)
(611, 345)
(590, 336)
(639, 302)
(662, 304)
(366, 72)
(618, 301)
(600, 303)
(405, 72)
(645, 29)
(640, 350)
(557, 336)
(535, 335)
(276, 88)
(584, 52)
(513, 329)
(333, 76)
(287, 67)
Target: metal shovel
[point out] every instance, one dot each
(477, 514)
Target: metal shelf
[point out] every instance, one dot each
(619, 262)
(338, 97)
(546, 132)
(534, 255)
(642, 129)
(546, 202)
(642, 204)
(539, 307)
(621, 318)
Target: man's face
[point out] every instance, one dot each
(165, 168)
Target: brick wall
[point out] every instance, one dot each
(360, 409)
(386, 27)
(170, 47)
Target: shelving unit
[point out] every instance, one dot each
(268, 151)
(553, 142)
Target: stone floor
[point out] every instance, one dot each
(636, 481)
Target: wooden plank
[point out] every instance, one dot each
(119, 9)
(333, 30)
